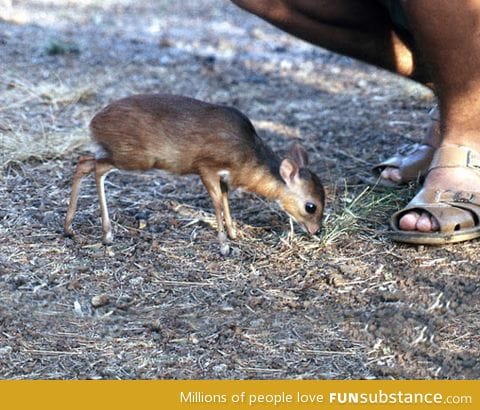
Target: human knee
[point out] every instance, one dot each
(273, 10)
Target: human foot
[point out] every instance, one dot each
(406, 165)
(411, 161)
(447, 208)
(441, 180)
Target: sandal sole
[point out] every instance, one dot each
(434, 238)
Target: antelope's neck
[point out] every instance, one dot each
(261, 180)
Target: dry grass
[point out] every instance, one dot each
(363, 211)
(40, 133)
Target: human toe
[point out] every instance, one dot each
(424, 223)
(392, 174)
(408, 222)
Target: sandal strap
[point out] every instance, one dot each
(444, 198)
(455, 156)
(406, 160)
(451, 209)
(464, 197)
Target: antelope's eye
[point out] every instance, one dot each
(310, 208)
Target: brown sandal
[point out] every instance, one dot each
(412, 160)
(457, 213)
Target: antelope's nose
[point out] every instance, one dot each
(314, 229)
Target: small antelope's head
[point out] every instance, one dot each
(304, 196)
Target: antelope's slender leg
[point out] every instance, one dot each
(85, 166)
(232, 234)
(212, 183)
(102, 167)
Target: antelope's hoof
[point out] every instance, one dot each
(225, 249)
(107, 239)
(68, 233)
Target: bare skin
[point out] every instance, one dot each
(358, 29)
(445, 31)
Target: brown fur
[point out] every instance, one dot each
(186, 136)
(177, 134)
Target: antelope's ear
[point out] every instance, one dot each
(288, 170)
(299, 155)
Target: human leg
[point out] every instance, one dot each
(359, 29)
(448, 33)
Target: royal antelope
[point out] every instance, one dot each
(186, 136)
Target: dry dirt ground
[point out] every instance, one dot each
(161, 302)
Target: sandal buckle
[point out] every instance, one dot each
(463, 196)
(473, 160)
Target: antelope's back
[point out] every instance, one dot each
(175, 133)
